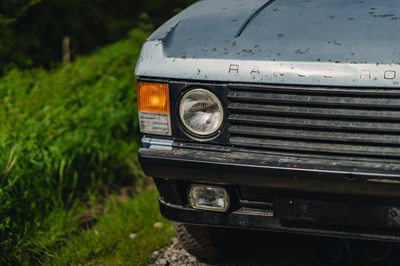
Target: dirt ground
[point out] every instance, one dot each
(277, 249)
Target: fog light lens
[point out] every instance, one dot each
(208, 198)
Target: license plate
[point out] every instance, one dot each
(331, 212)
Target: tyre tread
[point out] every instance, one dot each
(199, 241)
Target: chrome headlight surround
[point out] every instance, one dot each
(201, 112)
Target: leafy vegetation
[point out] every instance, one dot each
(126, 234)
(64, 134)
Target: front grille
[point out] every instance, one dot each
(309, 120)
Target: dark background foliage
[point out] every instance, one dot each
(31, 31)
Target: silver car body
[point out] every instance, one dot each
(313, 42)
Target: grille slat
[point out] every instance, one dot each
(312, 100)
(315, 147)
(318, 124)
(305, 111)
(363, 92)
(307, 135)
(341, 121)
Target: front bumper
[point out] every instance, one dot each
(328, 196)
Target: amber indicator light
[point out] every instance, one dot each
(153, 97)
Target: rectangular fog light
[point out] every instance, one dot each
(210, 198)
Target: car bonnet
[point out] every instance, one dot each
(325, 42)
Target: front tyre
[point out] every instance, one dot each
(204, 242)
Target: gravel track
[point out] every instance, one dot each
(262, 248)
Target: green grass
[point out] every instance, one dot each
(66, 137)
(124, 235)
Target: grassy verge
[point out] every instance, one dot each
(126, 234)
(65, 135)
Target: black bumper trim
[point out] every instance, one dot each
(319, 175)
(258, 221)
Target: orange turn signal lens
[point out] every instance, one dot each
(153, 97)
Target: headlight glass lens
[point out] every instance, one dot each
(201, 112)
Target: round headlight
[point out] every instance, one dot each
(201, 112)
